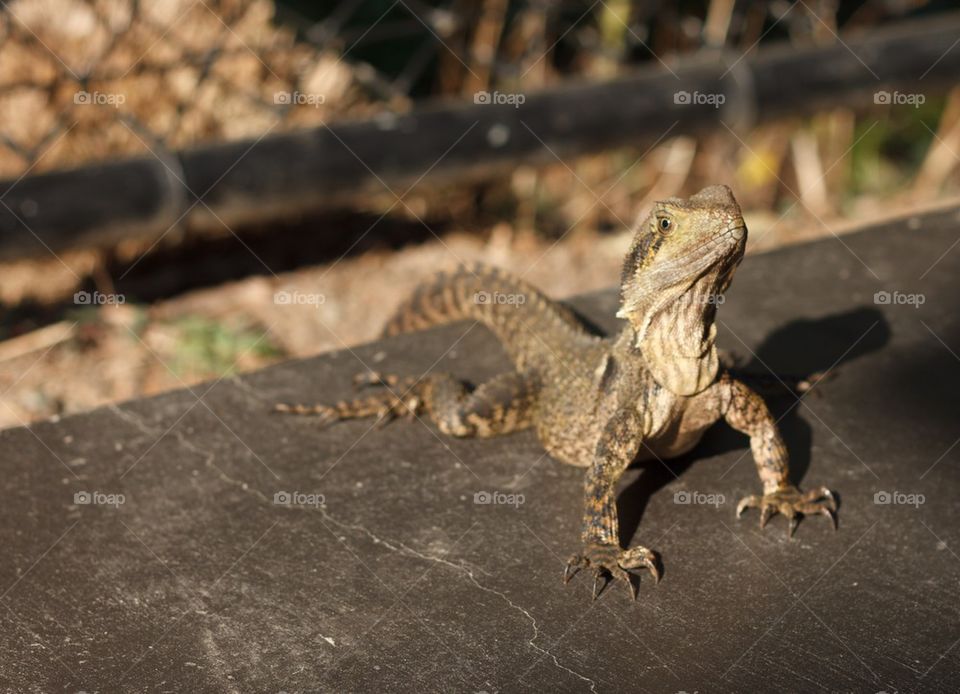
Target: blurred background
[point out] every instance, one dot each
(196, 188)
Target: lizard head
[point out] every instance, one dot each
(682, 259)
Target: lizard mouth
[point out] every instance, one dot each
(723, 244)
(737, 231)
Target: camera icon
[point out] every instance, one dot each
(82, 97)
(881, 97)
(282, 498)
(882, 498)
(481, 98)
(82, 498)
(682, 98)
(482, 498)
(282, 98)
(881, 298)
(283, 298)
(481, 298)
(82, 298)
(682, 497)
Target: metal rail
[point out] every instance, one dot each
(285, 175)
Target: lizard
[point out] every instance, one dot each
(603, 402)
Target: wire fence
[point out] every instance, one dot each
(88, 80)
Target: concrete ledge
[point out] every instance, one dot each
(198, 581)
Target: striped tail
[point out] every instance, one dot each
(525, 320)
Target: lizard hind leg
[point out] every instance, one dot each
(499, 406)
(402, 397)
(502, 405)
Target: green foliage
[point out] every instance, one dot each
(206, 346)
(890, 149)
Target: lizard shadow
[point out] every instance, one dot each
(798, 347)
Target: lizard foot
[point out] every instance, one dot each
(610, 560)
(792, 503)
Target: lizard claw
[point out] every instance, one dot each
(793, 520)
(638, 557)
(610, 561)
(831, 514)
(793, 504)
(767, 512)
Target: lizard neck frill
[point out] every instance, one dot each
(679, 351)
(671, 305)
(676, 335)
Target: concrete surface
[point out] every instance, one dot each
(198, 581)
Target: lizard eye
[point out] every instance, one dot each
(665, 224)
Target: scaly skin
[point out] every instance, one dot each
(603, 403)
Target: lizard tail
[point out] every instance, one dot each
(523, 318)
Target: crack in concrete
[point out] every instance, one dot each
(464, 569)
(241, 384)
(394, 546)
(208, 456)
(131, 418)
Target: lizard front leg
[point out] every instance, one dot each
(746, 412)
(616, 449)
